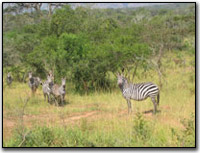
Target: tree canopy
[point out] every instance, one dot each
(86, 44)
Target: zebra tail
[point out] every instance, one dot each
(158, 98)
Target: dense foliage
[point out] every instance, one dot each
(86, 45)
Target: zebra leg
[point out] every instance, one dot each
(48, 97)
(155, 104)
(44, 97)
(53, 99)
(62, 100)
(32, 92)
(56, 102)
(129, 106)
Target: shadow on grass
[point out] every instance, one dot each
(52, 102)
(64, 103)
(151, 111)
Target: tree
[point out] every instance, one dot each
(64, 20)
(164, 33)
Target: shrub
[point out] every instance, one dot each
(142, 132)
(186, 137)
(51, 137)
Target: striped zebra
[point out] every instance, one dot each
(138, 92)
(34, 82)
(58, 92)
(46, 87)
(9, 79)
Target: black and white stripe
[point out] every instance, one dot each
(138, 92)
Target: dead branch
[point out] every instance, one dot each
(24, 138)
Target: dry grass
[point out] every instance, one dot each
(105, 114)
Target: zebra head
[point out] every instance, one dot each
(30, 75)
(50, 74)
(50, 81)
(39, 80)
(63, 82)
(120, 80)
(9, 74)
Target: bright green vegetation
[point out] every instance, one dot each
(89, 46)
(101, 119)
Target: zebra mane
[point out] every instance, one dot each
(125, 80)
(124, 84)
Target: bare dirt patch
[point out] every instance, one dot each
(49, 118)
(8, 126)
(43, 119)
(87, 114)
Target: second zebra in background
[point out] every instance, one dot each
(58, 92)
(9, 79)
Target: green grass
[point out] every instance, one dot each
(100, 119)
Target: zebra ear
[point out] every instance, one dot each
(63, 78)
(29, 73)
(122, 70)
(48, 73)
(41, 83)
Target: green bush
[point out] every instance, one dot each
(51, 137)
(86, 44)
(186, 137)
(142, 131)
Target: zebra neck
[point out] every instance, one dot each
(63, 86)
(123, 86)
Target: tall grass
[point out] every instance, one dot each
(100, 119)
(141, 133)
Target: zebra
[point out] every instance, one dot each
(46, 87)
(9, 79)
(51, 74)
(59, 91)
(34, 82)
(138, 92)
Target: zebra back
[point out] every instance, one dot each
(139, 91)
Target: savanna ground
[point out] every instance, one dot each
(101, 119)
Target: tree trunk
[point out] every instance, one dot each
(50, 9)
(159, 63)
